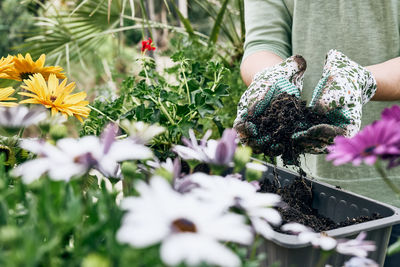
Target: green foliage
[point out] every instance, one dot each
(190, 97)
(218, 23)
(52, 223)
(15, 23)
(70, 34)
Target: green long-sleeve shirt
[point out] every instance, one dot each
(368, 31)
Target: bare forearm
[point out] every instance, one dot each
(257, 62)
(387, 75)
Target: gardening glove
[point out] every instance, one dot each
(344, 88)
(267, 85)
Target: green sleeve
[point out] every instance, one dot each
(268, 27)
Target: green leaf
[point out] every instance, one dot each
(182, 110)
(217, 24)
(205, 109)
(394, 248)
(222, 90)
(199, 98)
(186, 23)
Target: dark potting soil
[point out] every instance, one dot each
(285, 116)
(297, 207)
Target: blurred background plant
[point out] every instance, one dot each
(97, 42)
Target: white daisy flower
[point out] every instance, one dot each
(357, 247)
(232, 192)
(15, 118)
(319, 240)
(188, 229)
(360, 262)
(306, 234)
(52, 160)
(140, 132)
(218, 152)
(73, 157)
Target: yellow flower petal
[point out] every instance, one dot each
(55, 96)
(5, 95)
(24, 67)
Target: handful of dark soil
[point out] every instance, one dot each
(285, 116)
(297, 207)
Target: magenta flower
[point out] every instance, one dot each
(378, 140)
(391, 113)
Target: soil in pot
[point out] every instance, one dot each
(285, 116)
(297, 206)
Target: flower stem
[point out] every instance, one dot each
(101, 113)
(323, 258)
(383, 174)
(217, 78)
(165, 111)
(186, 84)
(254, 247)
(21, 132)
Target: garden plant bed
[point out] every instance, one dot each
(336, 205)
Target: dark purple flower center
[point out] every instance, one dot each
(86, 159)
(183, 226)
(368, 151)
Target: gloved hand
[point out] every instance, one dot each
(344, 88)
(267, 84)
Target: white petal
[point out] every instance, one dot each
(127, 150)
(327, 243)
(142, 235)
(32, 170)
(268, 214)
(295, 228)
(66, 171)
(229, 227)
(188, 153)
(262, 227)
(256, 166)
(33, 145)
(194, 249)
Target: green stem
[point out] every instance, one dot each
(147, 76)
(165, 111)
(383, 174)
(217, 78)
(100, 112)
(323, 258)
(186, 84)
(21, 132)
(254, 247)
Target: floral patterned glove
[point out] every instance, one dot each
(344, 88)
(267, 84)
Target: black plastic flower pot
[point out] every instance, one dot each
(336, 204)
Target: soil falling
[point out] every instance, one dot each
(285, 116)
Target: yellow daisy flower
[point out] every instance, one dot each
(6, 66)
(5, 95)
(25, 66)
(55, 96)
